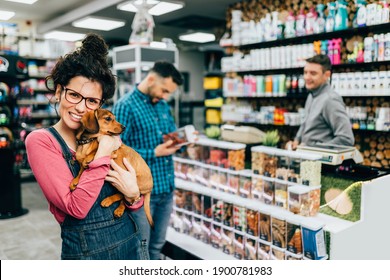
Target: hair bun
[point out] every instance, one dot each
(95, 46)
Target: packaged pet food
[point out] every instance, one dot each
(257, 187)
(263, 250)
(269, 191)
(294, 237)
(207, 210)
(216, 237)
(197, 231)
(313, 239)
(265, 226)
(239, 218)
(277, 253)
(238, 245)
(279, 230)
(197, 203)
(187, 222)
(252, 222)
(227, 234)
(218, 207)
(250, 248)
(245, 183)
(227, 219)
(187, 200)
(206, 231)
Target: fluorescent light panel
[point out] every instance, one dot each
(198, 37)
(159, 8)
(164, 8)
(64, 36)
(6, 15)
(97, 23)
(23, 1)
(129, 6)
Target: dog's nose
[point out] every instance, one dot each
(123, 127)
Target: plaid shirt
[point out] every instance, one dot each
(146, 123)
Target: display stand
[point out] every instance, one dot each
(10, 190)
(348, 240)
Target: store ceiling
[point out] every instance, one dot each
(199, 15)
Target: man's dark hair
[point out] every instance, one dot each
(166, 69)
(322, 60)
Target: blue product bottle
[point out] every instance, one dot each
(319, 26)
(361, 14)
(341, 18)
(329, 23)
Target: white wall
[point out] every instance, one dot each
(193, 63)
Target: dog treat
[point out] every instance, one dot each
(311, 172)
(196, 203)
(227, 235)
(207, 210)
(238, 245)
(294, 244)
(236, 159)
(278, 253)
(279, 232)
(227, 214)
(223, 183)
(214, 179)
(281, 194)
(206, 229)
(179, 198)
(263, 251)
(218, 210)
(233, 182)
(250, 249)
(269, 192)
(216, 237)
(187, 200)
(265, 227)
(252, 221)
(187, 223)
(257, 188)
(264, 164)
(245, 185)
(197, 228)
(239, 218)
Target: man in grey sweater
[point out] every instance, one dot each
(326, 120)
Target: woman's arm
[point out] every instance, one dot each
(53, 175)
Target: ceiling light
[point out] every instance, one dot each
(158, 8)
(6, 15)
(98, 23)
(129, 6)
(198, 37)
(64, 36)
(164, 8)
(23, 1)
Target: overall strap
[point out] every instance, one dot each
(67, 154)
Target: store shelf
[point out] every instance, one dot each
(195, 247)
(332, 224)
(321, 36)
(25, 102)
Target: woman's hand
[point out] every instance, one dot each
(107, 144)
(124, 180)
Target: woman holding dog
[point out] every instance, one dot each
(82, 81)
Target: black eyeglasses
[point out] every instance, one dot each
(75, 98)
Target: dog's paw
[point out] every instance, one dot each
(119, 212)
(73, 186)
(106, 202)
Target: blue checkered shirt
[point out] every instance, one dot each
(146, 123)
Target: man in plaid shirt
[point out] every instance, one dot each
(147, 117)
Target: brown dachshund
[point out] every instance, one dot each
(102, 122)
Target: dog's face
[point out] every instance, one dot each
(100, 121)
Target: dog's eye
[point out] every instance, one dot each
(108, 119)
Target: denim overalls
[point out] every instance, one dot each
(99, 236)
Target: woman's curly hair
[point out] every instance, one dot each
(89, 61)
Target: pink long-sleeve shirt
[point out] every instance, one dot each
(53, 176)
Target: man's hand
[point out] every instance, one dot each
(292, 145)
(165, 149)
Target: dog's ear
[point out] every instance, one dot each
(90, 122)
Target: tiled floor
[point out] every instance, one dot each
(33, 236)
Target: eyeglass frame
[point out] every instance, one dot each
(101, 101)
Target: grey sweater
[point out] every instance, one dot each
(326, 120)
